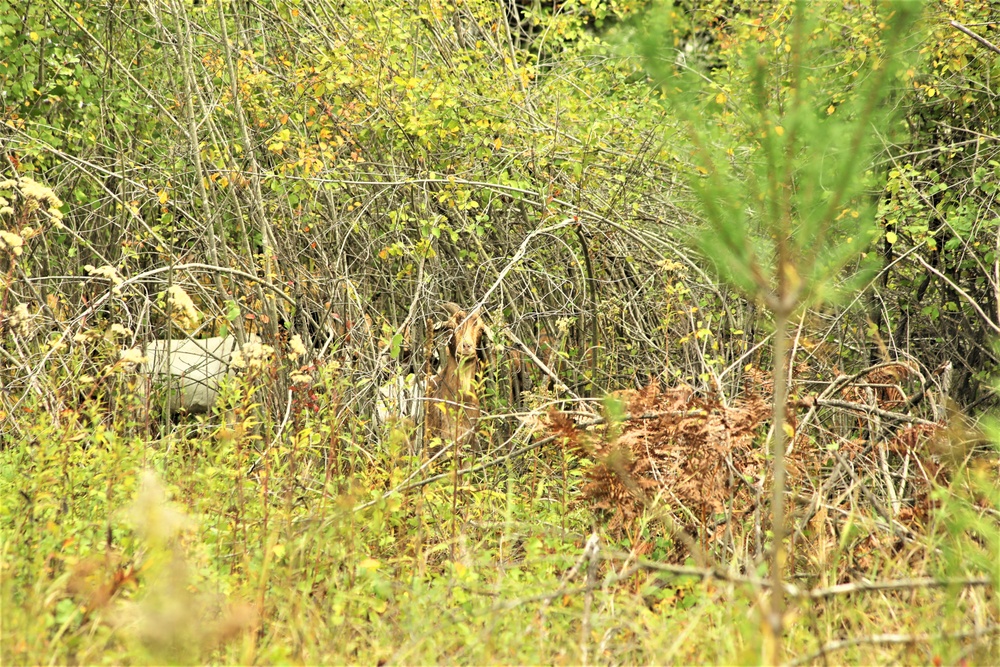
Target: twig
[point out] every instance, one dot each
(590, 557)
(704, 573)
(277, 437)
(560, 386)
(839, 644)
(274, 289)
(871, 410)
(126, 70)
(965, 295)
(895, 526)
(284, 420)
(838, 383)
(792, 590)
(899, 585)
(518, 256)
(984, 42)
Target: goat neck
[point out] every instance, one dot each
(457, 376)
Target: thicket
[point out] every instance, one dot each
(685, 219)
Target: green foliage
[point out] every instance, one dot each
(936, 204)
(105, 561)
(789, 212)
(361, 161)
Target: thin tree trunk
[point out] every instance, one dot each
(778, 439)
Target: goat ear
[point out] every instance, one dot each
(451, 308)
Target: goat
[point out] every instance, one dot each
(453, 402)
(194, 367)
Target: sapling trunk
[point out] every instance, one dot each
(777, 608)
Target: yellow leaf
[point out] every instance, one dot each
(278, 550)
(891, 237)
(720, 98)
(162, 194)
(830, 109)
(780, 131)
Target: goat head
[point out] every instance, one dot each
(453, 408)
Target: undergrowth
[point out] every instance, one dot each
(293, 525)
(214, 543)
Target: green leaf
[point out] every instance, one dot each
(396, 345)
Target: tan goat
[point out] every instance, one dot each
(453, 403)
